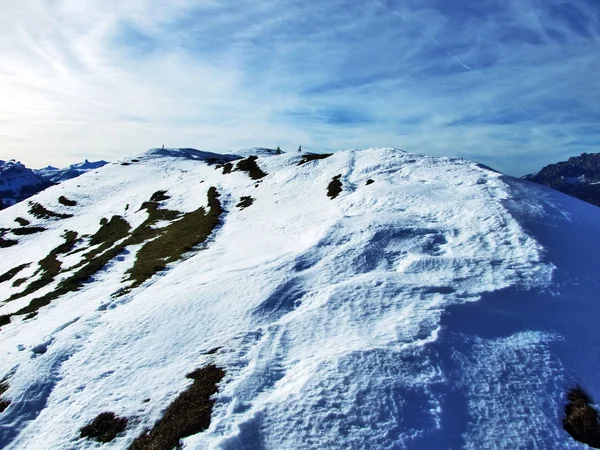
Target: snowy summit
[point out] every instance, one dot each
(370, 299)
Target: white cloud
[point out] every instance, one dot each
(511, 84)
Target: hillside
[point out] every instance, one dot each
(365, 299)
(578, 177)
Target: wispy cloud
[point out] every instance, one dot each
(510, 83)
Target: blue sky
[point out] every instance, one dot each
(513, 83)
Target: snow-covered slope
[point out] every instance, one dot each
(432, 304)
(56, 175)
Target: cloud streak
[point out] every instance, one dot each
(512, 84)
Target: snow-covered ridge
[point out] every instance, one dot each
(432, 304)
(56, 175)
(205, 156)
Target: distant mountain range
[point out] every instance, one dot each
(578, 177)
(56, 175)
(18, 182)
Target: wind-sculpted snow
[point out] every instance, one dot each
(435, 307)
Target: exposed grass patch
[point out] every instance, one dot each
(65, 201)
(245, 202)
(70, 238)
(175, 239)
(22, 222)
(10, 274)
(227, 168)
(110, 231)
(189, 413)
(23, 231)
(39, 211)
(49, 267)
(104, 428)
(155, 214)
(5, 243)
(307, 157)
(369, 181)
(249, 166)
(167, 246)
(159, 196)
(19, 281)
(3, 402)
(335, 187)
(581, 419)
(106, 239)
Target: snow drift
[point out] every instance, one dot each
(432, 304)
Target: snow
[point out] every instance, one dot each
(443, 306)
(56, 175)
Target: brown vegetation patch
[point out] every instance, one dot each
(110, 232)
(49, 267)
(155, 214)
(159, 196)
(335, 187)
(22, 222)
(250, 166)
(189, 413)
(581, 419)
(166, 246)
(307, 157)
(19, 281)
(3, 402)
(5, 243)
(245, 202)
(65, 201)
(104, 428)
(39, 211)
(23, 231)
(175, 239)
(106, 239)
(227, 168)
(10, 274)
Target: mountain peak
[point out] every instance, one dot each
(579, 177)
